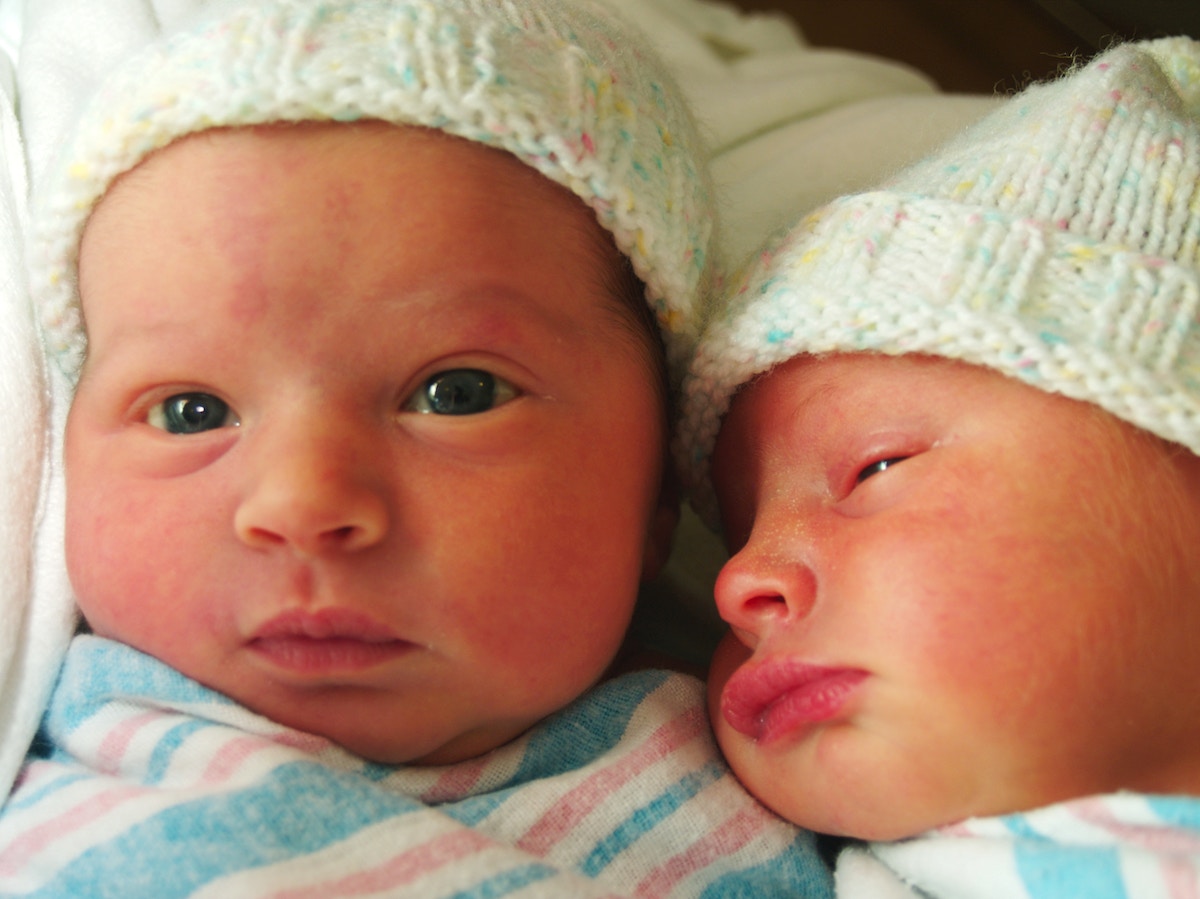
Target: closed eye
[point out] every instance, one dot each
(877, 467)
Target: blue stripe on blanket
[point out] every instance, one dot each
(569, 739)
(508, 882)
(96, 670)
(649, 816)
(1051, 870)
(159, 762)
(222, 835)
(198, 842)
(52, 786)
(1182, 811)
(588, 728)
(1054, 871)
(799, 866)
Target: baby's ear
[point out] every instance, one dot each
(661, 530)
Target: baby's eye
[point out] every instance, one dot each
(461, 391)
(191, 413)
(878, 466)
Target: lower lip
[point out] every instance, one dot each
(311, 655)
(812, 701)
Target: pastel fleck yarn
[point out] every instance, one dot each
(1057, 241)
(561, 84)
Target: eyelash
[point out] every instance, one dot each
(877, 467)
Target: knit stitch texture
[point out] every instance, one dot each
(1058, 242)
(565, 87)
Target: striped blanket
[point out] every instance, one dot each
(144, 783)
(1119, 846)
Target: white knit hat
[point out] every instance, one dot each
(1057, 241)
(561, 84)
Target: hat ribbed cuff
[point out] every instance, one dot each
(892, 273)
(552, 84)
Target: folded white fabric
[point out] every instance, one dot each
(64, 45)
(792, 126)
(1117, 845)
(11, 14)
(33, 634)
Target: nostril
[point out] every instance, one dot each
(291, 507)
(769, 604)
(263, 537)
(754, 589)
(352, 537)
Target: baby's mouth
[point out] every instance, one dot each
(326, 641)
(769, 701)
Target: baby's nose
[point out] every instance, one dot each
(763, 585)
(315, 493)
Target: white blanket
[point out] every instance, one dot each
(790, 127)
(32, 632)
(1118, 846)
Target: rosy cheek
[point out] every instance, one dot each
(118, 543)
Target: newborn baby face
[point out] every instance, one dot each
(363, 439)
(951, 594)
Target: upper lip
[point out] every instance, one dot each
(749, 694)
(326, 624)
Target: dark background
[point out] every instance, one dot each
(979, 46)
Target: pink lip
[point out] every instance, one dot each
(327, 641)
(768, 701)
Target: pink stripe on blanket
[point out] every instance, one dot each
(455, 783)
(111, 752)
(222, 766)
(1154, 837)
(34, 774)
(1180, 878)
(563, 817)
(37, 839)
(310, 744)
(399, 870)
(731, 836)
(1174, 850)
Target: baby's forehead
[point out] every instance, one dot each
(252, 195)
(351, 157)
(244, 194)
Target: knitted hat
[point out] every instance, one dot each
(1056, 241)
(561, 84)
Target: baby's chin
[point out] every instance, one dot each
(880, 802)
(427, 746)
(838, 779)
(860, 814)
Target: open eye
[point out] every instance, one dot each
(876, 467)
(461, 391)
(191, 413)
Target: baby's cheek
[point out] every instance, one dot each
(117, 552)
